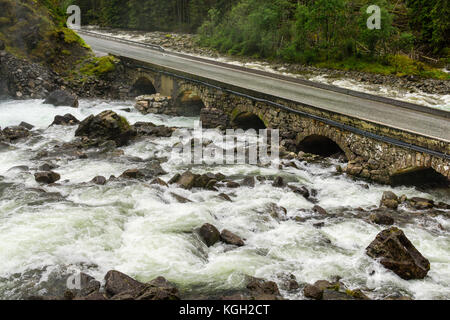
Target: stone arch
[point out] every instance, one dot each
(189, 103)
(420, 176)
(245, 118)
(142, 86)
(322, 142)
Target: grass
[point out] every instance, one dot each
(398, 65)
(98, 66)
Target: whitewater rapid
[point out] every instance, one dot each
(141, 230)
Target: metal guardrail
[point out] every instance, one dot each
(135, 43)
(358, 94)
(333, 123)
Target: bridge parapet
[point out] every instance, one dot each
(374, 151)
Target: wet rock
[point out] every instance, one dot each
(301, 191)
(395, 252)
(105, 126)
(225, 197)
(443, 206)
(335, 295)
(132, 174)
(389, 200)
(26, 125)
(66, 120)
(175, 179)
(179, 198)
(230, 238)
(15, 133)
(249, 182)
(209, 234)
(320, 210)
(289, 283)
(421, 203)
(100, 180)
(61, 98)
(150, 129)
(160, 182)
(313, 292)
(316, 290)
(48, 177)
(153, 168)
(277, 212)
(87, 286)
(233, 185)
(47, 167)
(187, 180)
(117, 282)
(159, 289)
(382, 219)
(279, 182)
(261, 289)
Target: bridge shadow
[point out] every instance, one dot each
(143, 86)
(424, 178)
(189, 104)
(322, 146)
(247, 121)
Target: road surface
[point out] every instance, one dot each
(418, 122)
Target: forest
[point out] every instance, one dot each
(305, 31)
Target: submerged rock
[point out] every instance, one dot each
(389, 200)
(230, 238)
(60, 98)
(105, 126)
(382, 219)
(209, 234)
(320, 210)
(100, 180)
(395, 252)
(65, 120)
(48, 177)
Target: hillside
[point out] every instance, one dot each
(35, 30)
(326, 33)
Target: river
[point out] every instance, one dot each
(143, 231)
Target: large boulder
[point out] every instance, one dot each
(395, 252)
(65, 120)
(230, 238)
(107, 125)
(209, 234)
(48, 177)
(12, 134)
(117, 282)
(389, 200)
(62, 98)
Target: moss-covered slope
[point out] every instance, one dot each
(36, 30)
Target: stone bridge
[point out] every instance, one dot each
(374, 151)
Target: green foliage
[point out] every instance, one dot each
(326, 32)
(98, 66)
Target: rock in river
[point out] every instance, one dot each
(105, 126)
(60, 98)
(48, 177)
(397, 253)
(209, 234)
(230, 238)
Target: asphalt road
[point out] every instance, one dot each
(393, 116)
